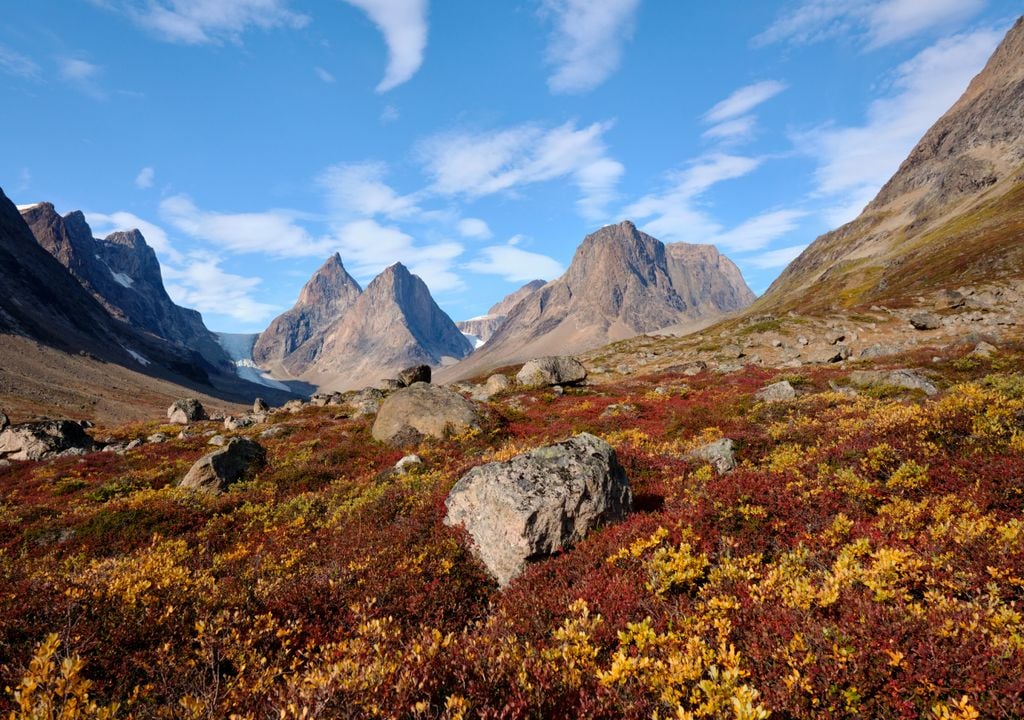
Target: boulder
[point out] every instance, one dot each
(365, 402)
(552, 370)
(407, 463)
(156, 438)
(925, 321)
(260, 407)
(215, 472)
(391, 384)
(494, 385)
(905, 379)
(949, 300)
(834, 337)
(185, 411)
(719, 453)
(878, 350)
(293, 406)
(776, 392)
(218, 440)
(273, 432)
(414, 374)
(539, 503)
(237, 423)
(984, 350)
(42, 440)
(423, 410)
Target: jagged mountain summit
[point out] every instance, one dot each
(622, 282)
(392, 324)
(483, 327)
(123, 274)
(952, 215)
(330, 292)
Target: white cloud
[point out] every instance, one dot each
(775, 258)
(83, 75)
(360, 188)
(202, 284)
(877, 22)
(324, 75)
(389, 114)
(737, 129)
(673, 214)
(474, 228)
(759, 231)
(14, 63)
(586, 43)
(368, 247)
(156, 237)
(145, 177)
(273, 232)
(854, 162)
(479, 164)
(404, 26)
(744, 100)
(197, 22)
(514, 264)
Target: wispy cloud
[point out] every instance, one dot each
(855, 161)
(586, 41)
(14, 63)
(82, 75)
(479, 164)
(403, 23)
(198, 22)
(875, 23)
(273, 232)
(759, 231)
(368, 247)
(775, 258)
(202, 284)
(514, 264)
(744, 100)
(359, 188)
(474, 228)
(145, 178)
(737, 129)
(324, 75)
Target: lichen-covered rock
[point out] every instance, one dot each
(185, 411)
(215, 472)
(495, 384)
(423, 410)
(719, 453)
(904, 379)
(552, 370)
(538, 503)
(776, 392)
(41, 440)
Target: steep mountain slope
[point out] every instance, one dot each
(394, 323)
(621, 283)
(330, 292)
(123, 274)
(485, 326)
(952, 214)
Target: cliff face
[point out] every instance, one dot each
(484, 327)
(330, 292)
(951, 215)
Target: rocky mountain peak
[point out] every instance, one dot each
(505, 305)
(330, 284)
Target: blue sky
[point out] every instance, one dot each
(476, 142)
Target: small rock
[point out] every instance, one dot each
(834, 337)
(215, 472)
(260, 407)
(984, 350)
(719, 453)
(273, 432)
(137, 442)
(237, 423)
(320, 399)
(365, 402)
(185, 411)
(156, 438)
(776, 392)
(495, 384)
(552, 370)
(414, 374)
(408, 462)
(732, 352)
(878, 350)
(293, 406)
(218, 440)
(949, 300)
(558, 390)
(776, 343)
(539, 503)
(802, 341)
(391, 384)
(619, 409)
(925, 321)
(423, 410)
(905, 379)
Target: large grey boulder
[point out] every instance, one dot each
(42, 440)
(879, 350)
(421, 410)
(495, 384)
(552, 370)
(925, 321)
(904, 379)
(776, 392)
(185, 411)
(414, 374)
(215, 472)
(538, 503)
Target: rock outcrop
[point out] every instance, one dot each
(215, 472)
(42, 440)
(539, 503)
(422, 410)
(484, 326)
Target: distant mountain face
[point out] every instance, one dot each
(952, 214)
(123, 274)
(621, 283)
(350, 339)
(485, 326)
(325, 298)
